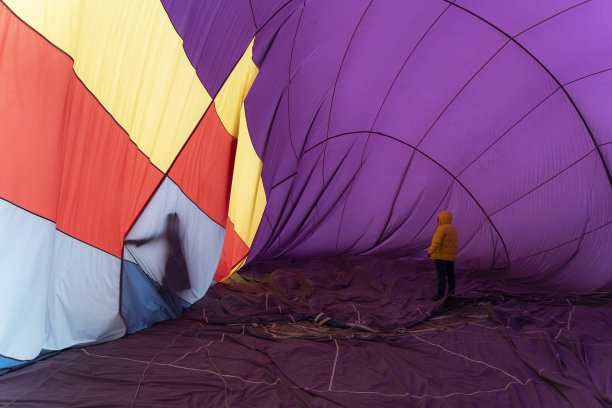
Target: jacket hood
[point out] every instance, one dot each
(445, 217)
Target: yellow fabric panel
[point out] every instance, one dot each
(248, 198)
(238, 266)
(231, 96)
(130, 57)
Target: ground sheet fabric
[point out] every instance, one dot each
(354, 332)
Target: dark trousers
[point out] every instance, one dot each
(444, 269)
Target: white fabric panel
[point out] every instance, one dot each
(56, 291)
(84, 298)
(201, 237)
(26, 245)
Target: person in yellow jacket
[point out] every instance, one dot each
(443, 250)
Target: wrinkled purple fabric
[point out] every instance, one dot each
(354, 292)
(215, 35)
(372, 117)
(531, 350)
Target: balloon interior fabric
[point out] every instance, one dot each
(151, 149)
(278, 336)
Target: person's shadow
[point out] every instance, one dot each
(176, 273)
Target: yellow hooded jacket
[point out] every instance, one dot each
(445, 239)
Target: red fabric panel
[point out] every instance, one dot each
(63, 156)
(234, 250)
(203, 169)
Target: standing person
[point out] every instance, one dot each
(443, 250)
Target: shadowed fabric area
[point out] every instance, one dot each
(351, 331)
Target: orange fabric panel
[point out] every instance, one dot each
(28, 163)
(63, 156)
(234, 251)
(203, 169)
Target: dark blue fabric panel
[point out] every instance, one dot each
(144, 301)
(6, 362)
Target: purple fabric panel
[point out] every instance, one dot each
(316, 221)
(313, 43)
(480, 246)
(600, 200)
(426, 84)
(575, 43)
(280, 154)
(475, 105)
(267, 34)
(606, 152)
(380, 174)
(265, 230)
(263, 101)
(483, 250)
(554, 259)
(364, 216)
(415, 187)
(495, 101)
(588, 251)
(425, 187)
(579, 261)
(269, 236)
(319, 49)
(514, 17)
(550, 215)
(543, 144)
(215, 35)
(325, 218)
(264, 10)
(593, 97)
(388, 33)
(595, 245)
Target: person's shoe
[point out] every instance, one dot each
(436, 298)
